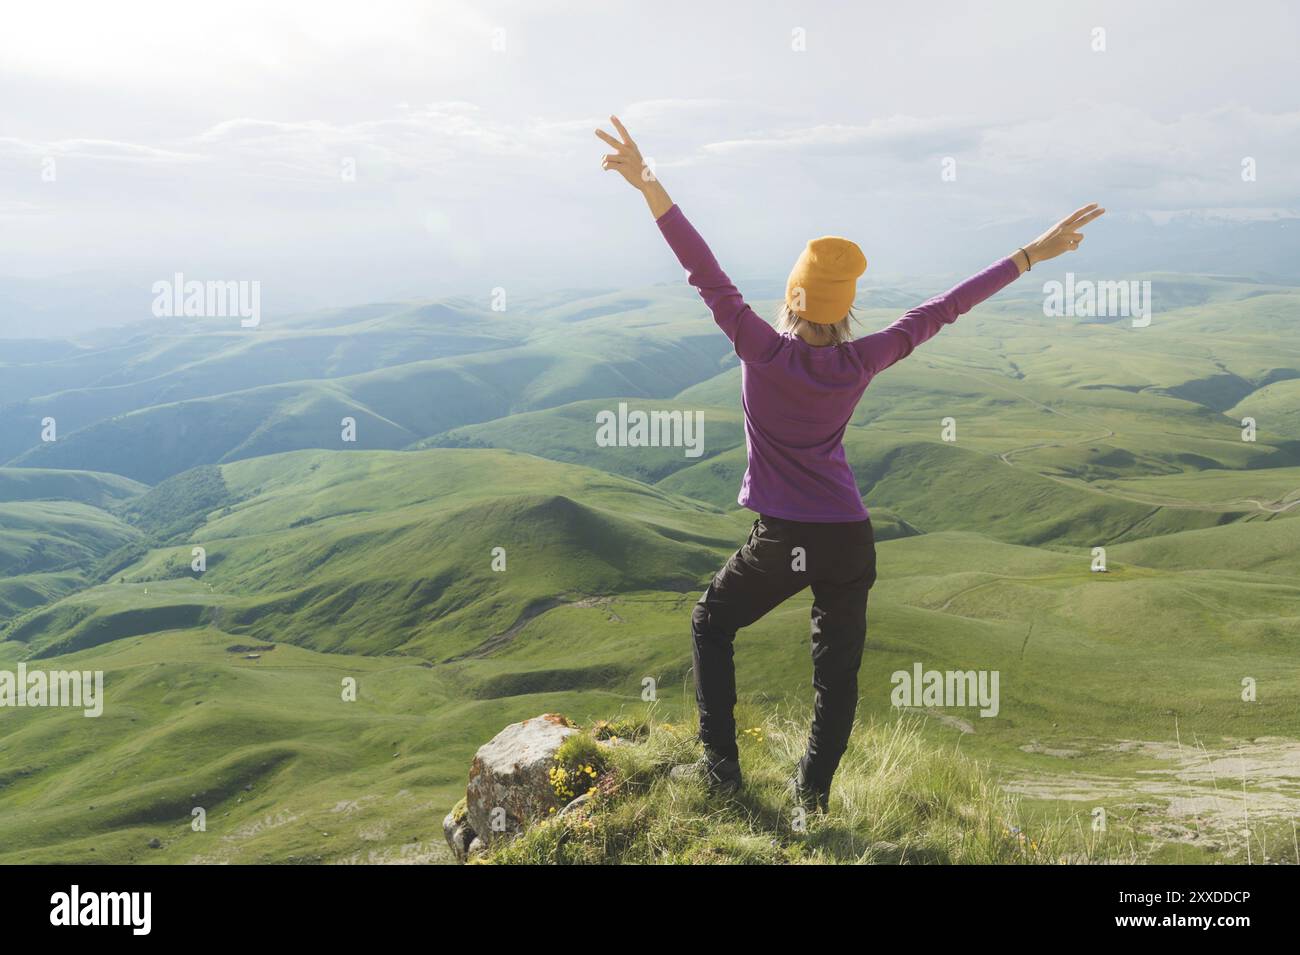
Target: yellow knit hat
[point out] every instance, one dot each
(824, 281)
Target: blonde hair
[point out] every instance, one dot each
(836, 334)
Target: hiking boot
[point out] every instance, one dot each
(812, 796)
(720, 773)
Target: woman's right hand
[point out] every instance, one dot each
(1063, 237)
(627, 162)
(626, 158)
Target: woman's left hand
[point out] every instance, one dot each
(1063, 237)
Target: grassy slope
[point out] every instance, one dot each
(568, 433)
(405, 374)
(1106, 444)
(900, 798)
(374, 552)
(85, 487)
(53, 527)
(142, 366)
(934, 485)
(48, 546)
(947, 599)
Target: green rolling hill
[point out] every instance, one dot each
(55, 526)
(393, 407)
(83, 487)
(329, 565)
(379, 561)
(568, 433)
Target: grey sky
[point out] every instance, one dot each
(209, 138)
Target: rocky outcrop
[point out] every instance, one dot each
(509, 785)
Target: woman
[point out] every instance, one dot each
(800, 384)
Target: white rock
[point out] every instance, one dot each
(509, 780)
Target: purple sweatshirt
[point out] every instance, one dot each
(797, 397)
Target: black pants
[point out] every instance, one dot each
(779, 559)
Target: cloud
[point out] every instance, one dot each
(1187, 162)
(1194, 160)
(654, 113)
(451, 142)
(95, 150)
(905, 136)
(1190, 161)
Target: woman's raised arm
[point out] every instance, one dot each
(754, 339)
(880, 350)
